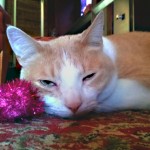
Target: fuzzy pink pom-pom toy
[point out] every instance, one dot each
(19, 100)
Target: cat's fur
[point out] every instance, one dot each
(88, 72)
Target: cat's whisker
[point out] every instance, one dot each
(89, 107)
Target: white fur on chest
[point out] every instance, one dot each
(109, 49)
(128, 94)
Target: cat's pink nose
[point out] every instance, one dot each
(74, 107)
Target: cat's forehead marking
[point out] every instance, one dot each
(69, 71)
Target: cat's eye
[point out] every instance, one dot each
(89, 76)
(48, 83)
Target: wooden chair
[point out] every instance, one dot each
(4, 46)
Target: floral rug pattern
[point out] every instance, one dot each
(129, 130)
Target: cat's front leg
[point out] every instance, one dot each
(128, 94)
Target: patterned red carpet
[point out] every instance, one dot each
(116, 131)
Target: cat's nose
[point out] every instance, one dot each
(73, 100)
(74, 107)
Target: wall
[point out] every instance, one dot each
(120, 7)
(136, 15)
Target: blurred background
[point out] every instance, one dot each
(59, 17)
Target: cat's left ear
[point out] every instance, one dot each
(24, 46)
(93, 35)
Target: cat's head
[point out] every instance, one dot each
(72, 72)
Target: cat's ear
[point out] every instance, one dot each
(22, 44)
(93, 35)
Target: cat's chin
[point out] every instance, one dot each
(68, 114)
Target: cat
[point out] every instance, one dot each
(78, 74)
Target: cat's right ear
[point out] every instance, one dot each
(22, 44)
(93, 35)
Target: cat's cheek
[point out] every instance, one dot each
(58, 112)
(54, 106)
(90, 93)
(50, 101)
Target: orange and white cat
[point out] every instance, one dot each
(77, 74)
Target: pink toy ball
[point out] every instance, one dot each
(19, 100)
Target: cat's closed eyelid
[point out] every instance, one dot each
(88, 76)
(48, 83)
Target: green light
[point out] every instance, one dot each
(2, 3)
(102, 5)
